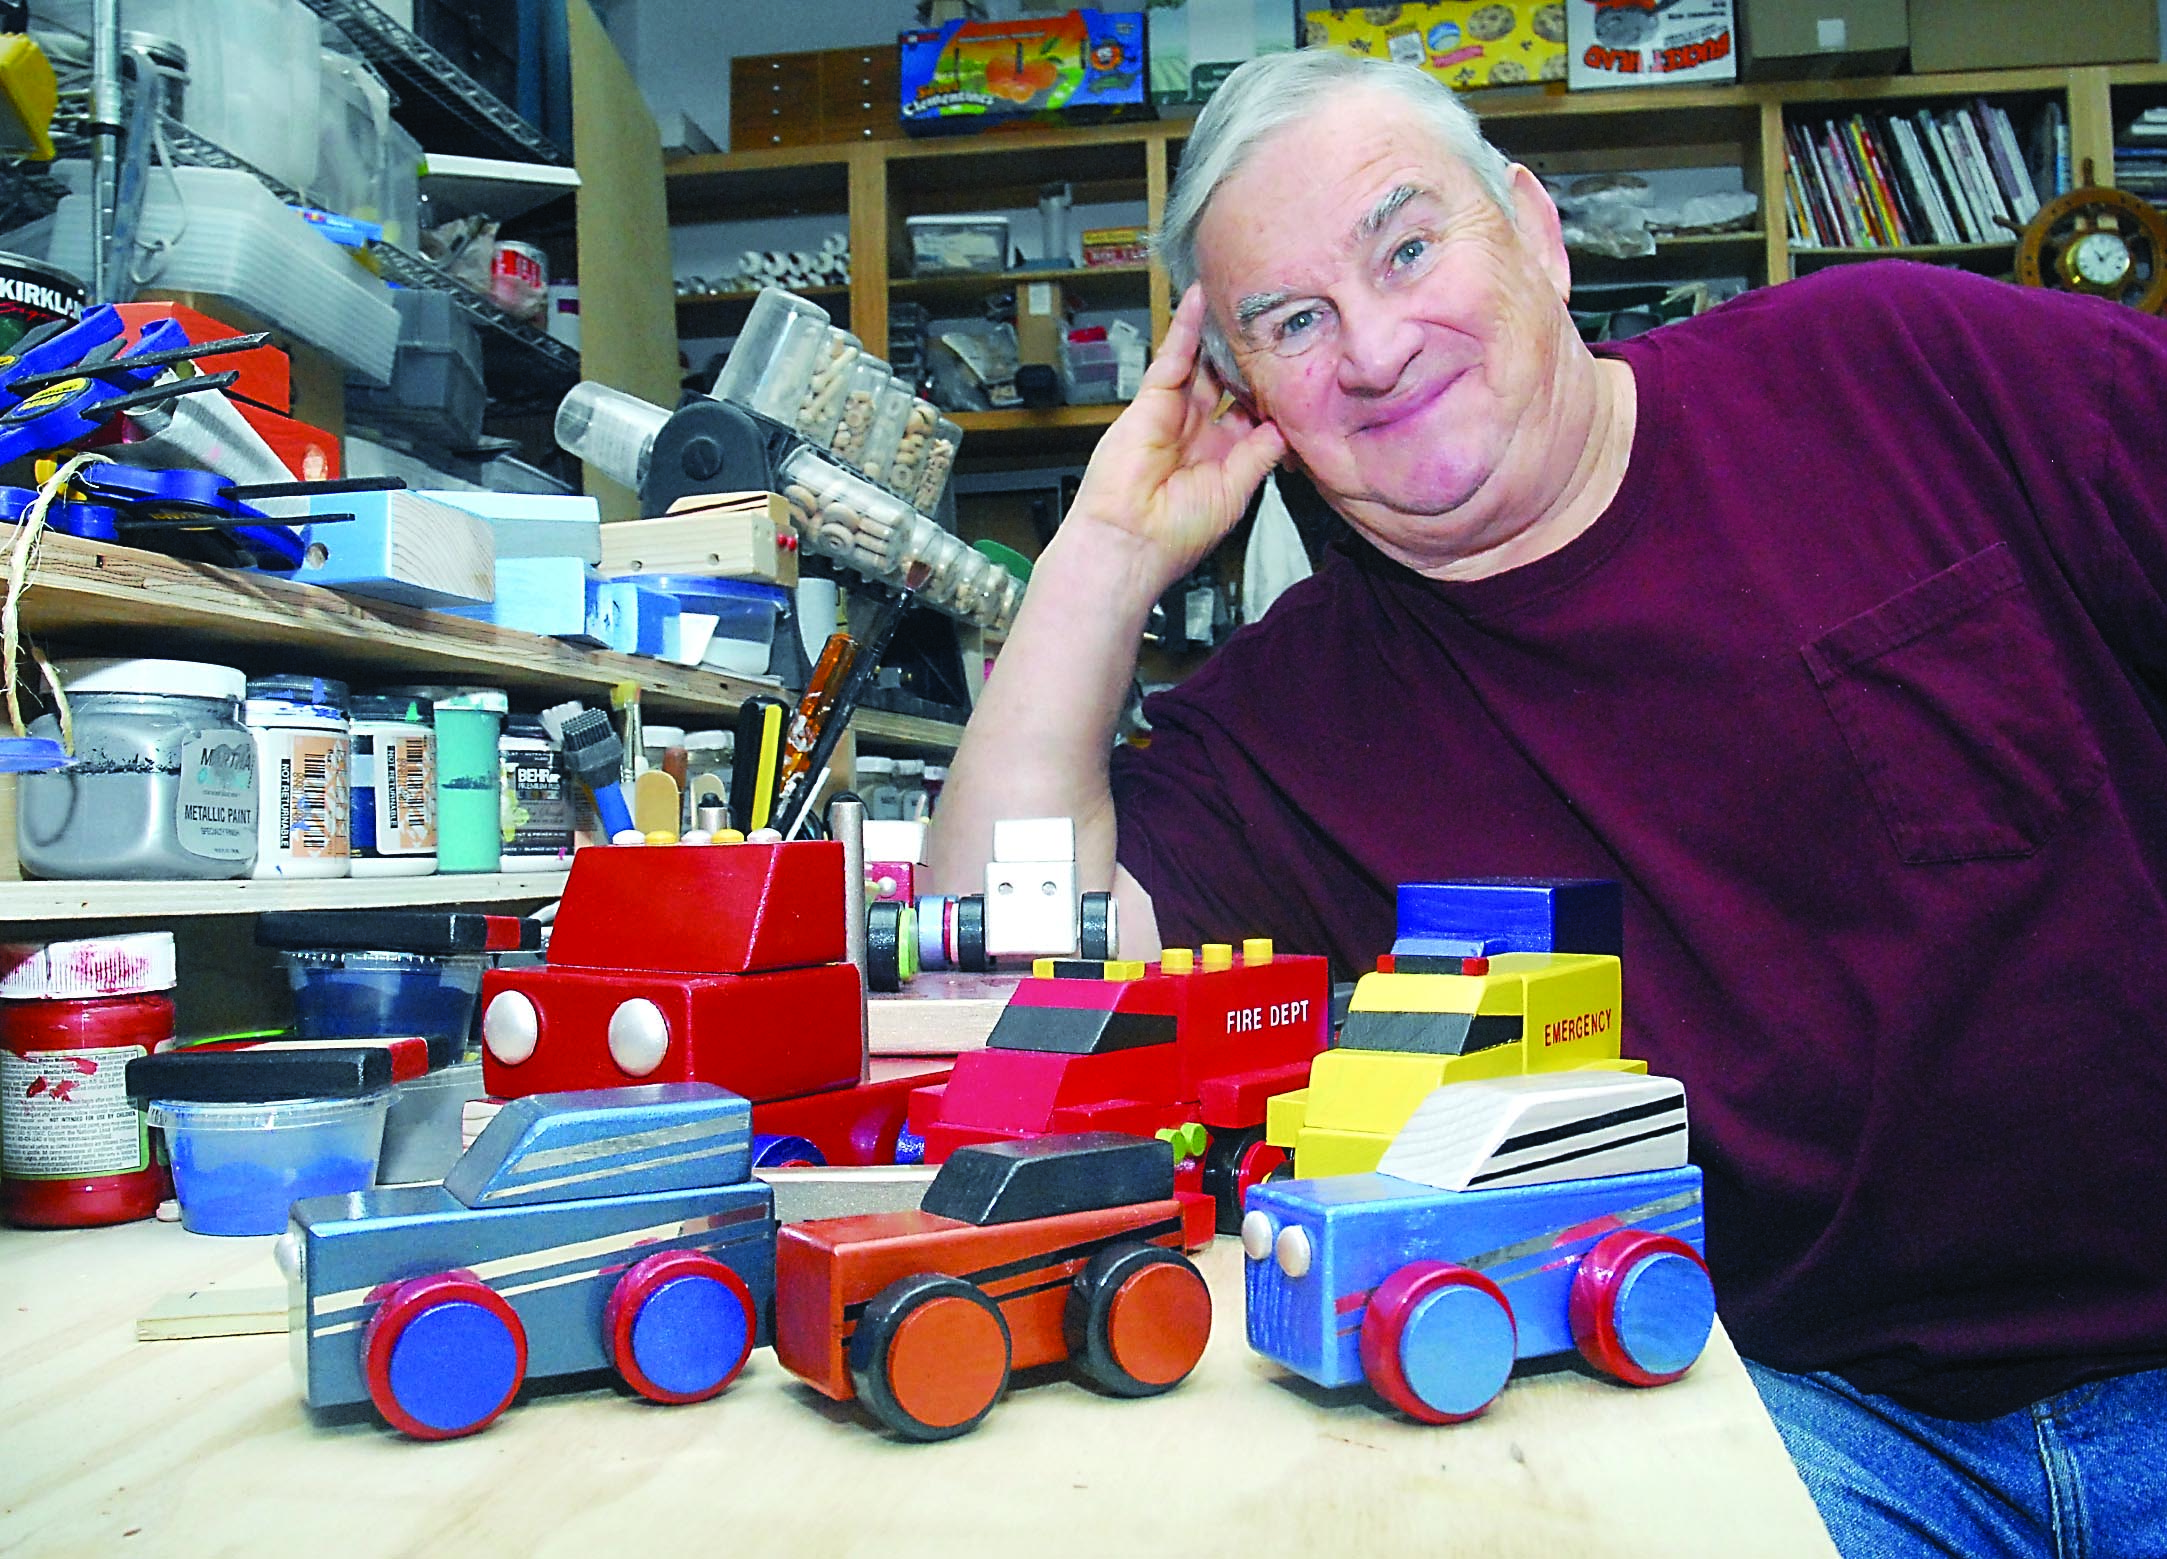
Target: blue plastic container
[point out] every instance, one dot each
(237, 1168)
(357, 995)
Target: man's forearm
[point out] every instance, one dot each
(1040, 739)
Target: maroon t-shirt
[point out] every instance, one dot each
(1857, 686)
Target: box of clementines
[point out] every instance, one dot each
(1082, 67)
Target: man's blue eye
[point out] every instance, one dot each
(1410, 251)
(1295, 323)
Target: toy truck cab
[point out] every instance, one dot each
(1022, 1253)
(619, 1228)
(1185, 1046)
(1511, 1219)
(1423, 1021)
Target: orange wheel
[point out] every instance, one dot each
(930, 1356)
(1137, 1319)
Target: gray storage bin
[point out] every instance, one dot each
(436, 391)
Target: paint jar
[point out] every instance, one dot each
(347, 994)
(876, 785)
(394, 787)
(911, 804)
(662, 747)
(421, 1133)
(164, 779)
(469, 816)
(304, 783)
(73, 1150)
(707, 776)
(535, 794)
(237, 1168)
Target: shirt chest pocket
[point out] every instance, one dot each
(1954, 706)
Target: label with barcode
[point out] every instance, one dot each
(314, 793)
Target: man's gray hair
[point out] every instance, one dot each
(1267, 95)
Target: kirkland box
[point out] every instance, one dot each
(1994, 34)
(1466, 44)
(1783, 40)
(1636, 43)
(1196, 44)
(1083, 67)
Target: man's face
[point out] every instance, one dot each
(1397, 326)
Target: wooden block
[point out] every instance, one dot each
(942, 1012)
(214, 1312)
(11, 866)
(734, 538)
(535, 525)
(559, 598)
(399, 547)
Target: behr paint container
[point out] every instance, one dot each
(163, 779)
(304, 759)
(537, 799)
(469, 821)
(394, 816)
(73, 1151)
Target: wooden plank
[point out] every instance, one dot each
(628, 320)
(214, 1312)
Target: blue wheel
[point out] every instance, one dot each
(1642, 1307)
(1438, 1341)
(679, 1326)
(444, 1355)
(909, 1147)
(772, 1152)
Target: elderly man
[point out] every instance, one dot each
(1830, 623)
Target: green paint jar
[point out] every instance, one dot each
(469, 828)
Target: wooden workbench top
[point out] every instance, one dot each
(113, 1446)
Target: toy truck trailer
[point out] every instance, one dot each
(1187, 1047)
(615, 1229)
(1022, 1253)
(1511, 1220)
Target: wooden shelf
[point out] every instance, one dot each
(723, 313)
(1058, 430)
(100, 900)
(93, 598)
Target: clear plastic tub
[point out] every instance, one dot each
(861, 396)
(398, 190)
(237, 1168)
(851, 520)
(610, 430)
(906, 466)
(943, 440)
(421, 1132)
(891, 412)
(822, 406)
(350, 995)
(770, 370)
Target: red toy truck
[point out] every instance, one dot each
(1191, 1047)
(703, 963)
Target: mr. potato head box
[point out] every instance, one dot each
(1466, 44)
(1649, 43)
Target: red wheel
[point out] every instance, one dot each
(679, 1326)
(1642, 1306)
(1137, 1319)
(1233, 1163)
(930, 1356)
(444, 1355)
(1438, 1341)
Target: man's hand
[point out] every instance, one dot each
(1173, 472)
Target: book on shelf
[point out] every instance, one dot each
(1957, 176)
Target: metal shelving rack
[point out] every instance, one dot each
(424, 75)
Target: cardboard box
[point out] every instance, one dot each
(1196, 44)
(1115, 246)
(1467, 44)
(1783, 40)
(1644, 43)
(2001, 34)
(1083, 67)
(1041, 322)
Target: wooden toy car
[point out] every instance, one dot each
(615, 1229)
(703, 963)
(1511, 1219)
(1486, 979)
(1183, 1047)
(1022, 1253)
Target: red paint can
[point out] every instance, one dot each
(73, 1150)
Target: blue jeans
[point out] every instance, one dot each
(2082, 1475)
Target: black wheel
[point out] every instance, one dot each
(1235, 1161)
(930, 1356)
(970, 935)
(1137, 1319)
(891, 945)
(1097, 926)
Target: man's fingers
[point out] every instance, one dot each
(1247, 462)
(1177, 356)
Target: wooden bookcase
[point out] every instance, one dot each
(876, 185)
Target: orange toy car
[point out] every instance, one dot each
(1064, 1247)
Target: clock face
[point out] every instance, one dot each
(2102, 259)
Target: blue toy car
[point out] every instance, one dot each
(617, 1228)
(1551, 1213)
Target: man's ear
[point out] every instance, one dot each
(1535, 214)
